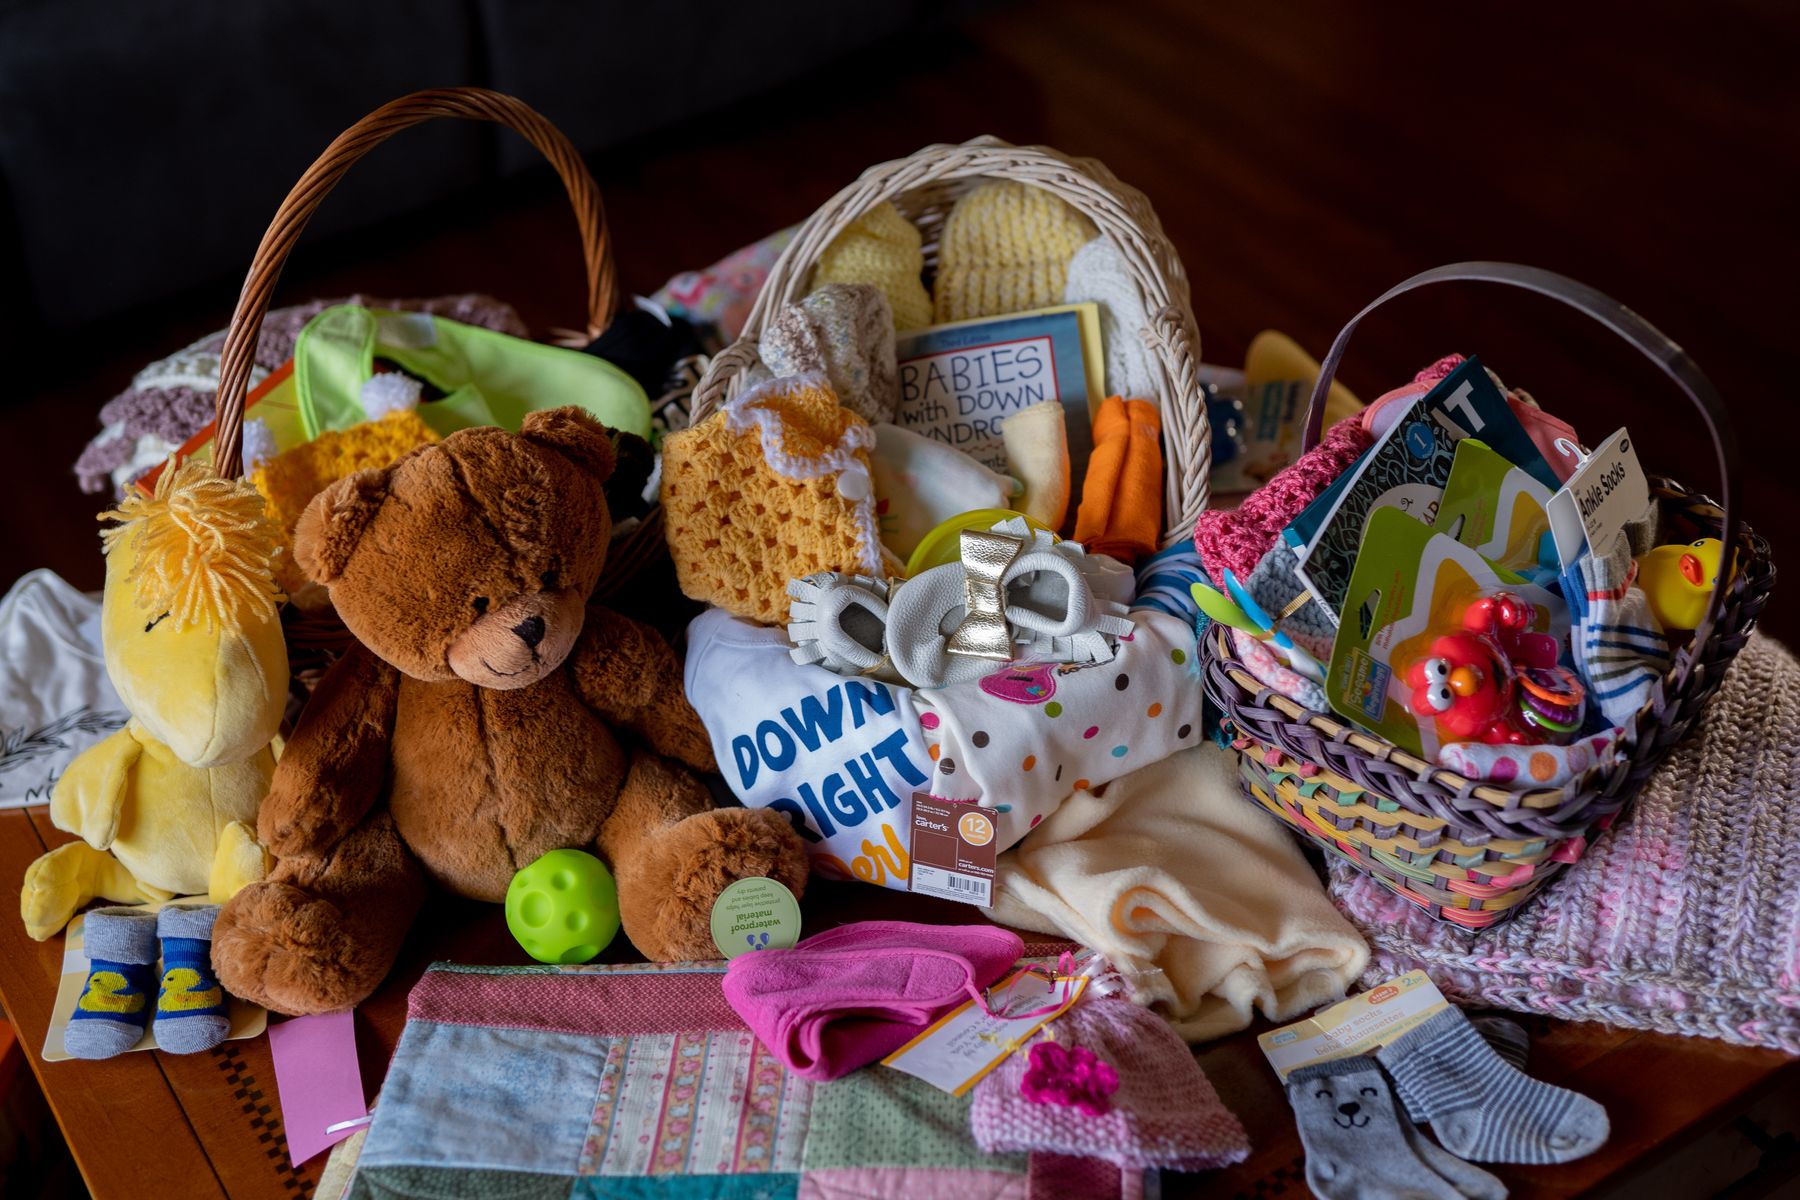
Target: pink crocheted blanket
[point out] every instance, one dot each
(1683, 918)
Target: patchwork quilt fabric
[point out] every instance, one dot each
(638, 1082)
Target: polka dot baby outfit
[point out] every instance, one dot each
(1026, 736)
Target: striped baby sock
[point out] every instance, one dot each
(1480, 1107)
(114, 1007)
(1615, 637)
(1509, 1040)
(190, 1008)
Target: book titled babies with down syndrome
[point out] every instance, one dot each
(959, 381)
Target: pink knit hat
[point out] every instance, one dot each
(1143, 1103)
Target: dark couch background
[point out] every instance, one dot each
(144, 145)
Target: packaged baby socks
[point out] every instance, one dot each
(1359, 1147)
(1482, 1108)
(114, 1007)
(190, 1007)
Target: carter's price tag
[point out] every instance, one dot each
(966, 1043)
(1362, 1024)
(953, 851)
(1605, 492)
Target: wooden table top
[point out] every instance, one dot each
(213, 1121)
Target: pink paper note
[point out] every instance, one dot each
(319, 1082)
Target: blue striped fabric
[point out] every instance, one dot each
(1483, 1109)
(1616, 641)
(1163, 580)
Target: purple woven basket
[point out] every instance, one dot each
(1482, 850)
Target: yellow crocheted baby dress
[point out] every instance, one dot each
(883, 248)
(290, 480)
(1006, 248)
(773, 486)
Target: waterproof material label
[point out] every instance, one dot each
(755, 914)
(953, 851)
(966, 1043)
(1605, 492)
(1362, 1024)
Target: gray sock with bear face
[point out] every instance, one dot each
(1359, 1147)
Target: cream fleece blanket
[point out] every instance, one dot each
(1201, 899)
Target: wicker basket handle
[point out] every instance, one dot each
(1642, 336)
(476, 104)
(1117, 210)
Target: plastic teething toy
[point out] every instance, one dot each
(1496, 681)
(563, 908)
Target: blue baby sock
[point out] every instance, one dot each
(109, 1017)
(190, 1009)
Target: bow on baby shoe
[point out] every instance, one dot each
(983, 632)
(1016, 593)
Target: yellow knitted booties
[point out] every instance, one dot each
(1006, 248)
(881, 247)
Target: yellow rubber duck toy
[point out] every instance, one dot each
(167, 806)
(1679, 580)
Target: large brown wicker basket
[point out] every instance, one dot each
(923, 186)
(315, 634)
(1470, 852)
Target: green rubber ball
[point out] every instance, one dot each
(563, 908)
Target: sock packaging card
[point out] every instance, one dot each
(1361, 1024)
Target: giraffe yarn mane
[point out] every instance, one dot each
(205, 547)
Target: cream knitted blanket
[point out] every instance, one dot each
(1202, 900)
(1683, 918)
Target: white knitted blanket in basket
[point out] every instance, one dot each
(1683, 918)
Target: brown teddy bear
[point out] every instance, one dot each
(472, 727)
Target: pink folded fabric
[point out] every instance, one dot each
(846, 997)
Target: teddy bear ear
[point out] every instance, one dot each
(573, 434)
(335, 521)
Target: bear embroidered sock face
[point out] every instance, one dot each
(1480, 1107)
(190, 1007)
(1357, 1144)
(114, 1007)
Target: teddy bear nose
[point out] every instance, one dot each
(530, 631)
(1350, 1109)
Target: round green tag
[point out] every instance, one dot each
(755, 914)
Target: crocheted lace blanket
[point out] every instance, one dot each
(1683, 918)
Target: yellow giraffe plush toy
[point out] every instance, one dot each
(167, 806)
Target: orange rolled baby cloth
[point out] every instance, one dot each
(1121, 499)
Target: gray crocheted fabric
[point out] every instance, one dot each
(1683, 918)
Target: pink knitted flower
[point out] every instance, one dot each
(1071, 1076)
